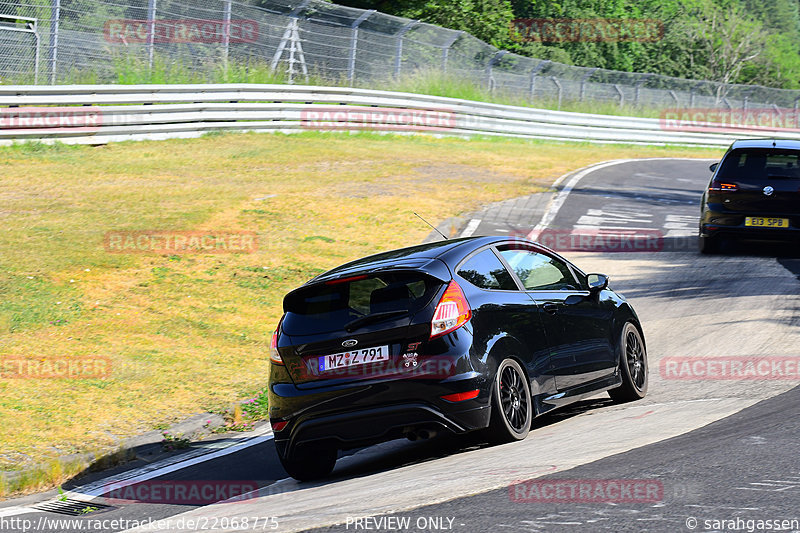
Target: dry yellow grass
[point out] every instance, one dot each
(187, 333)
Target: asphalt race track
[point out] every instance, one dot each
(715, 448)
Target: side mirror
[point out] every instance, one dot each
(713, 166)
(597, 282)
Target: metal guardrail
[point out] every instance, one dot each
(104, 40)
(99, 114)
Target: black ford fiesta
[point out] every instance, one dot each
(481, 333)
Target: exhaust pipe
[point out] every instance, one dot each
(425, 434)
(420, 434)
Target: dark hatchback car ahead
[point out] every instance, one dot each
(472, 334)
(754, 193)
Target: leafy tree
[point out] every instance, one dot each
(732, 41)
(488, 20)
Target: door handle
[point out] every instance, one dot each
(550, 308)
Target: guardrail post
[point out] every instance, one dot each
(583, 82)
(151, 33)
(55, 16)
(398, 60)
(35, 28)
(621, 95)
(490, 67)
(446, 49)
(639, 84)
(226, 37)
(560, 90)
(746, 99)
(691, 94)
(538, 68)
(351, 64)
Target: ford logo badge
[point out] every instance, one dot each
(349, 343)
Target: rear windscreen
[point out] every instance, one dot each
(328, 307)
(755, 165)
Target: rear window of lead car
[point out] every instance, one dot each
(755, 165)
(329, 306)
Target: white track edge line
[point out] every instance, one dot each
(98, 488)
(471, 227)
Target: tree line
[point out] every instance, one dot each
(730, 41)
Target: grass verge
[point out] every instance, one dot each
(190, 333)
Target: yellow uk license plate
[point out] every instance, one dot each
(763, 222)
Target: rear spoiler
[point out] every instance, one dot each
(435, 268)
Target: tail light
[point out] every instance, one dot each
(274, 356)
(452, 311)
(717, 185)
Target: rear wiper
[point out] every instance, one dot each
(377, 317)
(781, 176)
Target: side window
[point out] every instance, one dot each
(485, 271)
(538, 271)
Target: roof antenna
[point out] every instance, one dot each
(431, 225)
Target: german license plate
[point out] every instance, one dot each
(763, 222)
(360, 356)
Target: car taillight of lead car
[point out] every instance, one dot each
(717, 186)
(452, 311)
(274, 356)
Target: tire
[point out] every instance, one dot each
(708, 245)
(309, 463)
(512, 408)
(632, 366)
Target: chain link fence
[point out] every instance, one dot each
(76, 39)
(20, 48)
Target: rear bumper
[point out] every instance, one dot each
(369, 426)
(724, 222)
(750, 233)
(361, 414)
